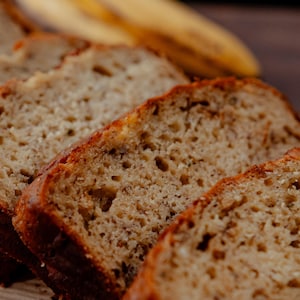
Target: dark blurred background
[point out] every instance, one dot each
(274, 3)
(271, 30)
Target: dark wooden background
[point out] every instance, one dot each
(272, 33)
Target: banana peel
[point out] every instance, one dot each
(199, 45)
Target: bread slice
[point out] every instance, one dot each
(37, 52)
(239, 241)
(9, 32)
(99, 207)
(49, 111)
(13, 26)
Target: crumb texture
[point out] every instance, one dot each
(243, 245)
(46, 113)
(121, 191)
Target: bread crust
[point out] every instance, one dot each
(58, 246)
(12, 246)
(48, 37)
(38, 52)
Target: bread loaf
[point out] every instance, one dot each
(240, 241)
(49, 111)
(99, 207)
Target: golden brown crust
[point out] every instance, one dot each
(221, 83)
(64, 251)
(77, 43)
(258, 171)
(11, 243)
(144, 286)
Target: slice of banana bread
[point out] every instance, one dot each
(100, 206)
(12, 27)
(38, 52)
(10, 32)
(46, 113)
(239, 241)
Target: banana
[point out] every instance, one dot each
(93, 8)
(64, 16)
(199, 45)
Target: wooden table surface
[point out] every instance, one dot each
(272, 33)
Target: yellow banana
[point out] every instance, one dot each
(64, 16)
(199, 45)
(93, 8)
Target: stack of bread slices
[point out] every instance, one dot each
(23, 52)
(103, 148)
(55, 90)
